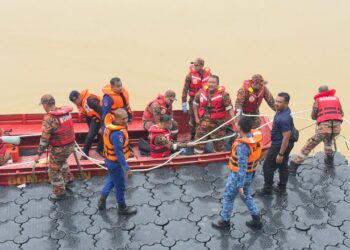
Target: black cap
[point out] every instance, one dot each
(74, 95)
(165, 118)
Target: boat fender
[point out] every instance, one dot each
(14, 140)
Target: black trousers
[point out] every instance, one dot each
(270, 166)
(94, 127)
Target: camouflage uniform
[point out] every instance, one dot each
(58, 171)
(157, 112)
(161, 140)
(326, 131)
(243, 95)
(206, 124)
(185, 90)
(4, 156)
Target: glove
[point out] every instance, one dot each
(239, 112)
(184, 107)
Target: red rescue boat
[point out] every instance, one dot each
(28, 126)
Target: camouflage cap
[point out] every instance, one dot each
(198, 61)
(171, 94)
(165, 118)
(257, 77)
(47, 99)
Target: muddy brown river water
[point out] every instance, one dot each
(55, 46)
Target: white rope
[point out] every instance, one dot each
(303, 118)
(346, 120)
(257, 115)
(96, 162)
(214, 130)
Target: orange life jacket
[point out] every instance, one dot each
(148, 113)
(216, 108)
(254, 100)
(158, 151)
(64, 135)
(198, 81)
(329, 107)
(85, 109)
(255, 145)
(108, 148)
(117, 99)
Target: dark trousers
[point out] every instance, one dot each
(94, 127)
(270, 166)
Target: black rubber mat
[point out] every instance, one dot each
(175, 211)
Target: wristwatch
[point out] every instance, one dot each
(280, 154)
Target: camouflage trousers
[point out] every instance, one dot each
(192, 122)
(204, 127)
(174, 127)
(326, 132)
(58, 172)
(256, 122)
(4, 158)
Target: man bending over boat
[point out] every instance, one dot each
(58, 137)
(90, 106)
(210, 107)
(245, 154)
(250, 96)
(327, 111)
(116, 152)
(115, 96)
(161, 142)
(162, 105)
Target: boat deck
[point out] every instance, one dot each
(175, 209)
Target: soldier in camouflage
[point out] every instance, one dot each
(57, 137)
(162, 105)
(250, 96)
(328, 113)
(210, 107)
(161, 142)
(196, 78)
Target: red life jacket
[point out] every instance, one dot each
(158, 151)
(254, 100)
(329, 107)
(216, 108)
(148, 113)
(65, 132)
(198, 81)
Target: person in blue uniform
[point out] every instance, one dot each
(245, 155)
(116, 152)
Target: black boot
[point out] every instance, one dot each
(293, 167)
(55, 197)
(265, 191)
(329, 160)
(280, 190)
(255, 223)
(221, 224)
(101, 203)
(126, 210)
